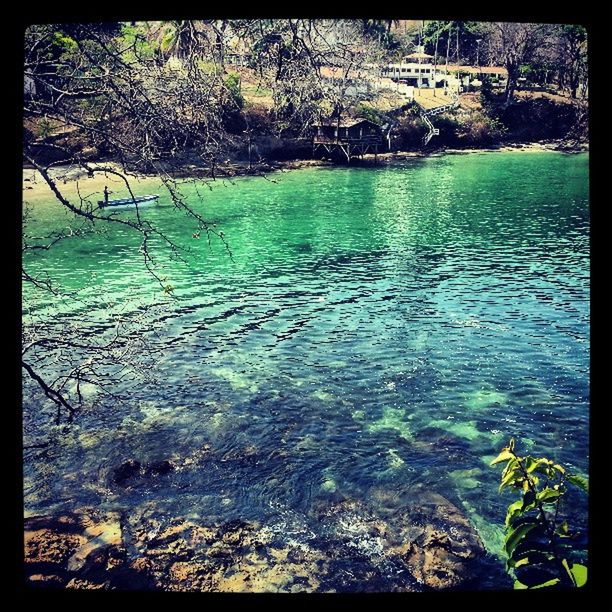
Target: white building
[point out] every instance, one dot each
(416, 70)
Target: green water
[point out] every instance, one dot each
(376, 327)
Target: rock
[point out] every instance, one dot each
(73, 547)
(430, 538)
(125, 471)
(79, 584)
(159, 467)
(444, 547)
(423, 544)
(46, 580)
(131, 470)
(50, 547)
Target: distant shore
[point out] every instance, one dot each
(76, 183)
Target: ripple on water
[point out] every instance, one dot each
(377, 331)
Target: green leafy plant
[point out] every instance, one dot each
(233, 86)
(538, 539)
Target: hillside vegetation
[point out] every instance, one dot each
(163, 96)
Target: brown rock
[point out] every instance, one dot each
(48, 546)
(46, 580)
(443, 546)
(72, 544)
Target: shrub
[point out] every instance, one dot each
(479, 129)
(538, 537)
(409, 132)
(536, 118)
(233, 120)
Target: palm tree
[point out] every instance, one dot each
(178, 38)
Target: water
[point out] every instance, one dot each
(374, 329)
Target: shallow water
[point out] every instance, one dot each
(376, 329)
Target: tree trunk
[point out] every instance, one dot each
(513, 73)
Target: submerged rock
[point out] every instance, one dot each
(430, 538)
(159, 467)
(424, 544)
(437, 543)
(132, 470)
(126, 471)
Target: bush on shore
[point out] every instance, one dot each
(538, 118)
(479, 129)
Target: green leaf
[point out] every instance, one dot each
(548, 495)
(580, 481)
(511, 475)
(568, 569)
(505, 455)
(543, 466)
(580, 574)
(520, 585)
(528, 500)
(530, 464)
(521, 556)
(516, 535)
(563, 530)
(548, 583)
(514, 510)
(535, 574)
(511, 465)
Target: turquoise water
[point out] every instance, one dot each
(375, 328)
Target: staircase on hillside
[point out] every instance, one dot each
(426, 114)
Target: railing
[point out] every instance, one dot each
(425, 114)
(364, 140)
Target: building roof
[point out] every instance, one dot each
(418, 55)
(346, 122)
(477, 69)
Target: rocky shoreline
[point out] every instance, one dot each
(427, 545)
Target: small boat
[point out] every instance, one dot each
(127, 201)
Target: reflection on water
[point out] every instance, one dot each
(384, 328)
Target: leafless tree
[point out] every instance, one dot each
(145, 96)
(516, 44)
(115, 95)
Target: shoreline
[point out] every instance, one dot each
(74, 178)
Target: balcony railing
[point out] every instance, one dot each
(347, 140)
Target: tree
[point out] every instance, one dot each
(311, 66)
(102, 88)
(572, 57)
(517, 44)
(460, 37)
(143, 96)
(380, 31)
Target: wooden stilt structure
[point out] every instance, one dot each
(354, 138)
